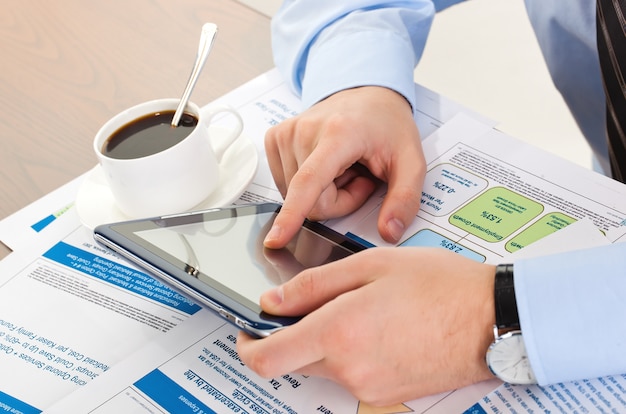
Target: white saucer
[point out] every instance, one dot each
(95, 204)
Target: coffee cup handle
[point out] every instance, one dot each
(219, 148)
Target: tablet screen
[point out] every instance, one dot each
(230, 251)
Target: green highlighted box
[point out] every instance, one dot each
(543, 227)
(496, 214)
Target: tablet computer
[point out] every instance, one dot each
(217, 257)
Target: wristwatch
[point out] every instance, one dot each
(506, 357)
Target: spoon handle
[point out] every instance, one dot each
(209, 30)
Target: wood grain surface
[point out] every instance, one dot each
(66, 67)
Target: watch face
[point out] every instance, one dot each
(508, 361)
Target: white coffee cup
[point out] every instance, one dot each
(173, 180)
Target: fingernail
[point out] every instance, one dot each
(396, 228)
(276, 295)
(273, 234)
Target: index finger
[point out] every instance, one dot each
(313, 177)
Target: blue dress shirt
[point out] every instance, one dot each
(571, 305)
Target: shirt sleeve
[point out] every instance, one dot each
(572, 307)
(324, 46)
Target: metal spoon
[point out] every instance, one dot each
(209, 30)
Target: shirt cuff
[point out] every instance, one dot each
(571, 308)
(390, 64)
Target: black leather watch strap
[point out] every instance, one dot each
(504, 295)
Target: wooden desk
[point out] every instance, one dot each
(67, 67)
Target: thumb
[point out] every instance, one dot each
(402, 201)
(313, 287)
(299, 296)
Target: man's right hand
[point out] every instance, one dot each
(315, 156)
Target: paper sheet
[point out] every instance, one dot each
(487, 195)
(70, 310)
(20, 228)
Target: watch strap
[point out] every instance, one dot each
(504, 298)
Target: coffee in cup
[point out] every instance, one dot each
(153, 168)
(148, 135)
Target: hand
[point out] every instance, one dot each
(313, 158)
(388, 324)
